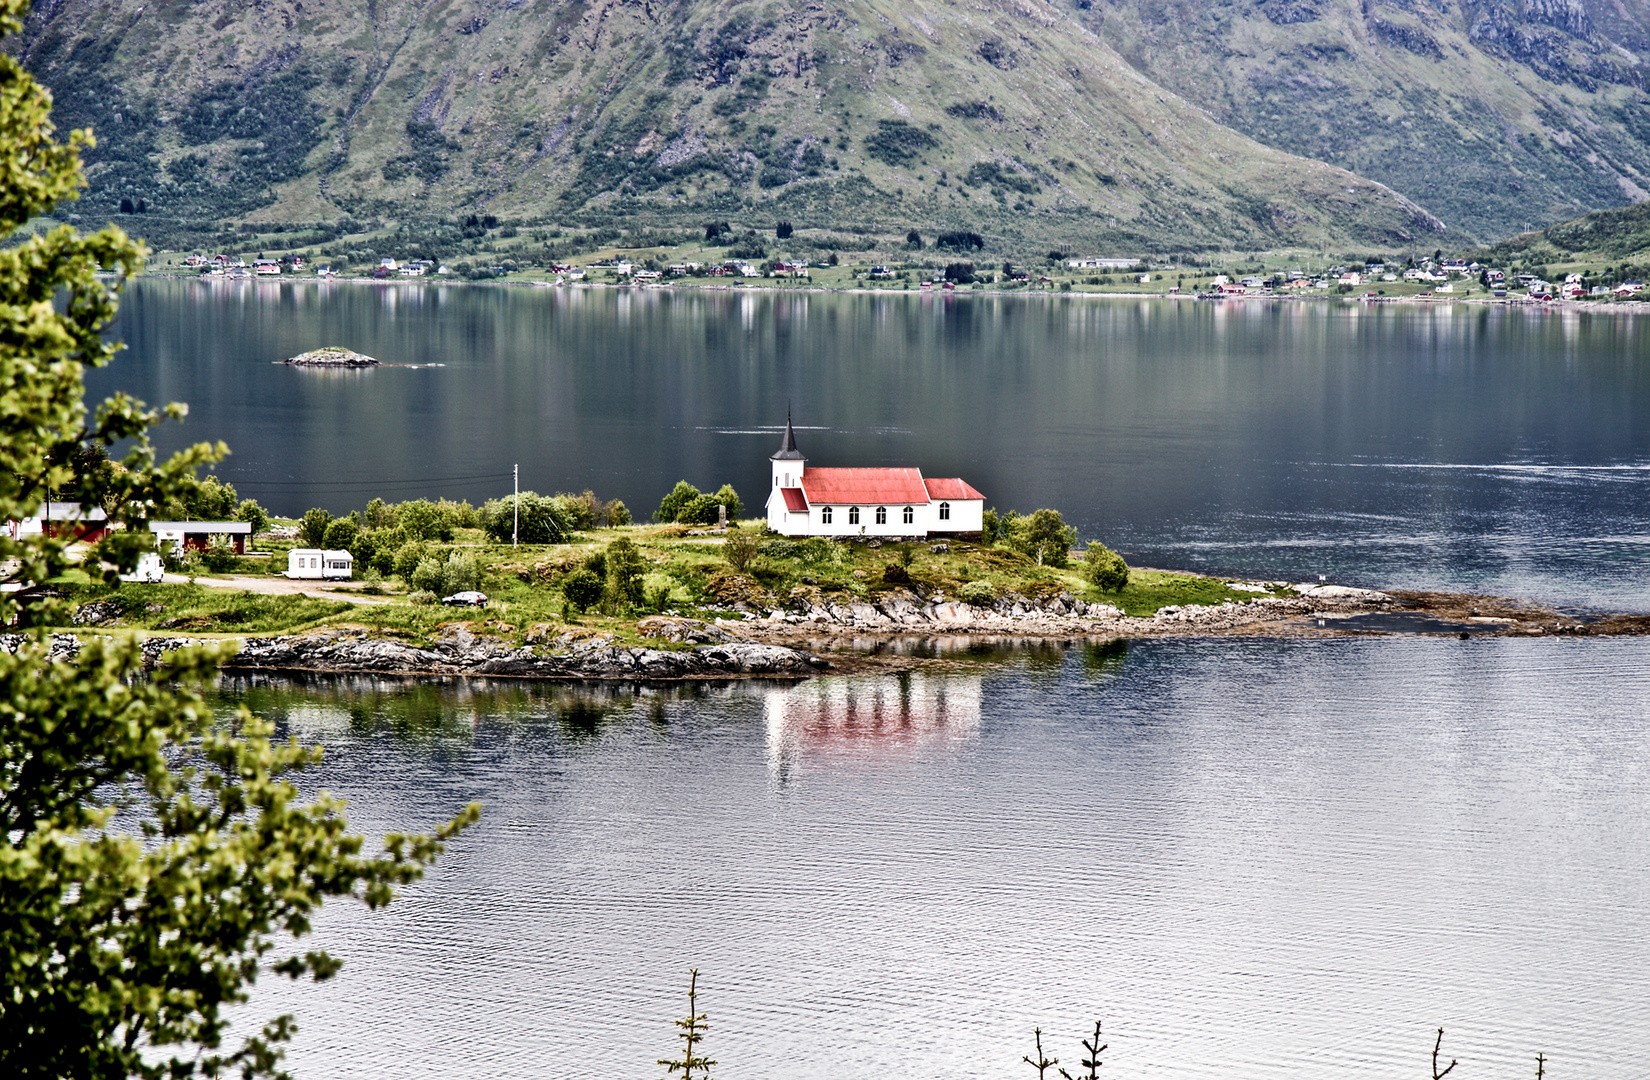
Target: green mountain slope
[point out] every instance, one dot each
(1005, 117)
(1497, 115)
(1606, 235)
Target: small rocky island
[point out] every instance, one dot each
(332, 356)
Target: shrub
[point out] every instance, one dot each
(1105, 568)
(426, 576)
(625, 569)
(254, 515)
(1043, 535)
(543, 520)
(702, 509)
(459, 574)
(617, 514)
(218, 557)
(775, 547)
(991, 527)
(581, 589)
(671, 505)
(342, 534)
(313, 528)
(978, 593)
(422, 597)
(741, 548)
(896, 142)
(407, 558)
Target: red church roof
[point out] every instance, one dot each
(795, 501)
(864, 486)
(951, 488)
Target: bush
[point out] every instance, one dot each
(776, 547)
(459, 574)
(1043, 535)
(1105, 568)
(978, 593)
(407, 558)
(741, 548)
(423, 597)
(426, 577)
(625, 569)
(991, 528)
(313, 528)
(581, 588)
(672, 504)
(219, 557)
(342, 534)
(254, 515)
(617, 514)
(543, 520)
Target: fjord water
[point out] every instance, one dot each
(1458, 447)
(1250, 859)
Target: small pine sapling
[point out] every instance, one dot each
(1092, 1062)
(692, 1031)
(1042, 1063)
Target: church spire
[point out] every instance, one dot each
(787, 446)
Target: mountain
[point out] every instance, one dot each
(1605, 235)
(1005, 117)
(1499, 116)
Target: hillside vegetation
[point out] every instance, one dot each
(1010, 119)
(1604, 234)
(1499, 116)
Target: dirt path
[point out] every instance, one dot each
(273, 586)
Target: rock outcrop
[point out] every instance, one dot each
(463, 653)
(333, 356)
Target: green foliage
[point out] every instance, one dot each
(673, 502)
(991, 174)
(543, 519)
(625, 570)
(978, 593)
(254, 515)
(991, 529)
(152, 860)
(219, 556)
(741, 548)
(1042, 535)
(406, 559)
(703, 509)
(692, 1032)
(898, 142)
(582, 588)
(617, 514)
(1105, 569)
(342, 534)
(959, 241)
(312, 528)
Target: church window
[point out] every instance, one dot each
(910, 515)
(853, 515)
(945, 511)
(882, 515)
(825, 515)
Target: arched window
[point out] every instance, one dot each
(945, 511)
(882, 515)
(825, 515)
(853, 515)
(910, 515)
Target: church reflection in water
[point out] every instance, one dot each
(871, 717)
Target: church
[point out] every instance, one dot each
(887, 503)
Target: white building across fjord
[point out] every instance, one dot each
(805, 501)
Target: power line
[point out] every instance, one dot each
(301, 485)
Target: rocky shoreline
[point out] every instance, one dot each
(786, 643)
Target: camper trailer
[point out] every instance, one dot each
(316, 563)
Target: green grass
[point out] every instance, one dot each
(200, 609)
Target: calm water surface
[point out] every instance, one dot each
(1448, 447)
(1250, 859)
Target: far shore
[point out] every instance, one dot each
(1626, 307)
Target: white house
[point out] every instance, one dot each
(901, 502)
(315, 563)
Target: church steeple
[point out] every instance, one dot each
(787, 446)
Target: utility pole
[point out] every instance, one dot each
(515, 513)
